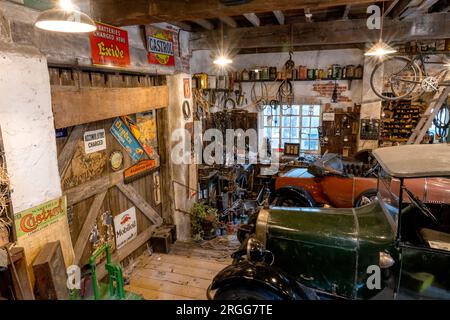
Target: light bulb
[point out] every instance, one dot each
(380, 49)
(66, 5)
(222, 61)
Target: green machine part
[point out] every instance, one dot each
(114, 274)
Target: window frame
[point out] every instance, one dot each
(302, 130)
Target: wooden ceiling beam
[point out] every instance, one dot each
(430, 26)
(229, 21)
(389, 9)
(417, 10)
(399, 8)
(204, 23)
(279, 15)
(182, 25)
(253, 18)
(142, 12)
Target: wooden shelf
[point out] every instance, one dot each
(306, 80)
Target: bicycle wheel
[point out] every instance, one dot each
(400, 76)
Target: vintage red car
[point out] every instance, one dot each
(303, 187)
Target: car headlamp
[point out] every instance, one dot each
(386, 261)
(255, 250)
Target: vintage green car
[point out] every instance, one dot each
(397, 247)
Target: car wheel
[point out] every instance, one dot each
(293, 198)
(365, 198)
(245, 292)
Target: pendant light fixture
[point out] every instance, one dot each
(380, 49)
(66, 19)
(221, 59)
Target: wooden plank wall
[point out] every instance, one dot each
(93, 172)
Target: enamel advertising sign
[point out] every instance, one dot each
(160, 46)
(109, 46)
(94, 141)
(125, 226)
(121, 132)
(40, 217)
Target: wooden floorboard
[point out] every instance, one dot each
(183, 274)
(155, 294)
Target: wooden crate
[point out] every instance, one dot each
(161, 241)
(50, 273)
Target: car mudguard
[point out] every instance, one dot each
(264, 276)
(297, 191)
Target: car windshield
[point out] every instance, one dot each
(388, 189)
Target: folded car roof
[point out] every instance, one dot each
(415, 161)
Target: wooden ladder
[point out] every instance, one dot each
(427, 119)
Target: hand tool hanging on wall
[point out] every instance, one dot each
(334, 96)
(186, 110)
(229, 104)
(285, 94)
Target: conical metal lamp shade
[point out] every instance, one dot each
(69, 21)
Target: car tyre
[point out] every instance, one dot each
(293, 198)
(365, 198)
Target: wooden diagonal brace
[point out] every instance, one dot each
(88, 224)
(68, 151)
(133, 195)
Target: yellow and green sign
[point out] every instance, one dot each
(37, 218)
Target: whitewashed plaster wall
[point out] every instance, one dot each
(202, 62)
(26, 121)
(184, 174)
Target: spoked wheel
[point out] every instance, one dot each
(400, 77)
(293, 198)
(366, 198)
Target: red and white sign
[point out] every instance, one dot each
(125, 226)
(109, 46)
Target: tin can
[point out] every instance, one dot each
(212, 81)
(221, 82)
(336, 71)
(358, 74)
(264, 73)
(330, 72)
(303, 73)
(350, 71)
(322, 74)
(257, 74)
(245, 76)
(273, 73)
(279, 75)
(316, 74)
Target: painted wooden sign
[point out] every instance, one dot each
(121, 132)
(109, 46)
(160, 46)
(139, 170)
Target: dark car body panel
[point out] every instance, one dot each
(330, 249)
